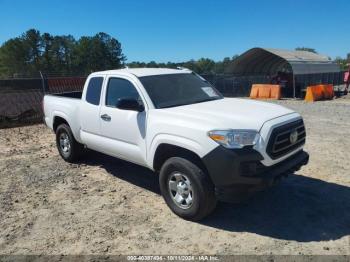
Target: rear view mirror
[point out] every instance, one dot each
(130, 104)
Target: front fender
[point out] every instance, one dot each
(199, 149)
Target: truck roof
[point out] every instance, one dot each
(139, 72)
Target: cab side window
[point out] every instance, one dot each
(93, 92)
(120, 88)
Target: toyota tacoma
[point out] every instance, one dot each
(205, 147)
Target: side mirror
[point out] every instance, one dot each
(129, 104)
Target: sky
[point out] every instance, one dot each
(179, 30)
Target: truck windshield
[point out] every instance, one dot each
(178, 89)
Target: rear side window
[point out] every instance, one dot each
(93, 92)
(120, 88)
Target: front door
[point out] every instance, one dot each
(123, 131)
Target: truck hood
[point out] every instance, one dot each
(228, 113)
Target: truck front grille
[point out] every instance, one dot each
(281, 140)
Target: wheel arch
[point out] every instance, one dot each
(164, 151)
(57, 121)
(61, 118)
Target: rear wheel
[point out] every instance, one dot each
(186, 189)
(69, 149)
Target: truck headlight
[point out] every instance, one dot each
(234, 138)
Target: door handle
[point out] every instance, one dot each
(106, 117)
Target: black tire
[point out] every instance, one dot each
(75, 148)
(203, 192)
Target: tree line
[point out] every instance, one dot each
(32, 52)
(209, 66)
(343, 62)
(26, 55)
(200, 66)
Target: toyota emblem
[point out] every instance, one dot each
(293, 137)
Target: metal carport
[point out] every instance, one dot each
(267, 62)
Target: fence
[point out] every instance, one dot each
(303, 81)
(239, 86)
(235, 86)
(21, 99)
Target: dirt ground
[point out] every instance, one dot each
(107, 206)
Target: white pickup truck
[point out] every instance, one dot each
(204, 146)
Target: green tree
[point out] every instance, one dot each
(136, 64)
(100, 52)
(191, 64)
(201, 66)
(205, 66)
(46, 58)
(341, 62)
(21, 55)
(14, 57)
(33, 52)
(33, 44)
(153, 64)
(62, 55)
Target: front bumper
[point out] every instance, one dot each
(240, 170)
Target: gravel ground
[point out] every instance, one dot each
(107, 206)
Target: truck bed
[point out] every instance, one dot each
(65, 105)
(75, 94)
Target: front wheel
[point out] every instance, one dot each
(186, 189)
(69, 149)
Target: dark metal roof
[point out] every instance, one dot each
(262, 61)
